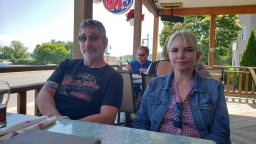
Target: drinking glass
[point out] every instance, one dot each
(4, 98)
(143, 70)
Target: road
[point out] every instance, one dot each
(24, 78)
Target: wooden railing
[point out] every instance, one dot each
(238, 91)
(22, 89)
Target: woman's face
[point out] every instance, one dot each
(183, 57)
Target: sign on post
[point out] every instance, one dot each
(117, 6)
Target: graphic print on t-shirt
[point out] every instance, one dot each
(80, 86)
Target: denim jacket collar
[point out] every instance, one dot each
(198, 81)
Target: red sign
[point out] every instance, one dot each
(117, 6)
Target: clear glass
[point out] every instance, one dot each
(4, 98)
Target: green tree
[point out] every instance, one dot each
(248, 59)
(226, 31)
(19, 50)
(36, 48)
(51, 53)
(70, 47)
(7, 53)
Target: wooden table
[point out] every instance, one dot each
(109, 134)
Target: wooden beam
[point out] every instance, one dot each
(36, 106)
(26, 68)
(22, 102)
(151, 7)
(249, 9)
(155, 38)
(137, 27)
(212, 41)
(83, 10)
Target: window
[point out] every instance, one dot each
(234, 46)
(244, 32)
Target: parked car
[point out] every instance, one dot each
(4, 64)
(7, 62)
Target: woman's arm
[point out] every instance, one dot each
(142, 120)
(220, 129)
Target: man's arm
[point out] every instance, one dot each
(128, 66)
(45, 101)
(107, 115)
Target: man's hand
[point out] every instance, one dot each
(128, 66)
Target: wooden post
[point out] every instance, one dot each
(83, 10)
(36, 107)
(137, 27)
(212, 41)
(22, 102)
(155, 38)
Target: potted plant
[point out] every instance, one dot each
(130, 17)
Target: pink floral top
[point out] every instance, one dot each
(188, 126)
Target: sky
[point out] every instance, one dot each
(38, 21)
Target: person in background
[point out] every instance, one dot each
(141, 62)
(163, 67)
(84, 89)
(136, 66)
(184, 102)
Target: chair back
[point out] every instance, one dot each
(128, 103)
(252, 72)
(145, 81)
(216, 73)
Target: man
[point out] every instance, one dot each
(141, 62)
(84, 89)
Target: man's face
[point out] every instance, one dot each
(92, 44)
(142, 56)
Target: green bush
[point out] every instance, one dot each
(230, 76)
(23, 61)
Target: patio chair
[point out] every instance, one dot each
(216, 73)
(252, 72)
(128, 102)
(145, 81)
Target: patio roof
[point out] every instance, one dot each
(200, 7)
(83, 10)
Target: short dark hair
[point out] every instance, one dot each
(145, 48)
(89, 23)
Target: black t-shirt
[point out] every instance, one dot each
(83, 90)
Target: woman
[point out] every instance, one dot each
(163, 67)
(184, 102)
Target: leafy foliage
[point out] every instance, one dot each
(54, 53)
(7, 53)
(249, 55)
(226, 31)
(19, 50)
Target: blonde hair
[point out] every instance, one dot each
(164, 52)
(186, 35)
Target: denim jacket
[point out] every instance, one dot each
(207, 104)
